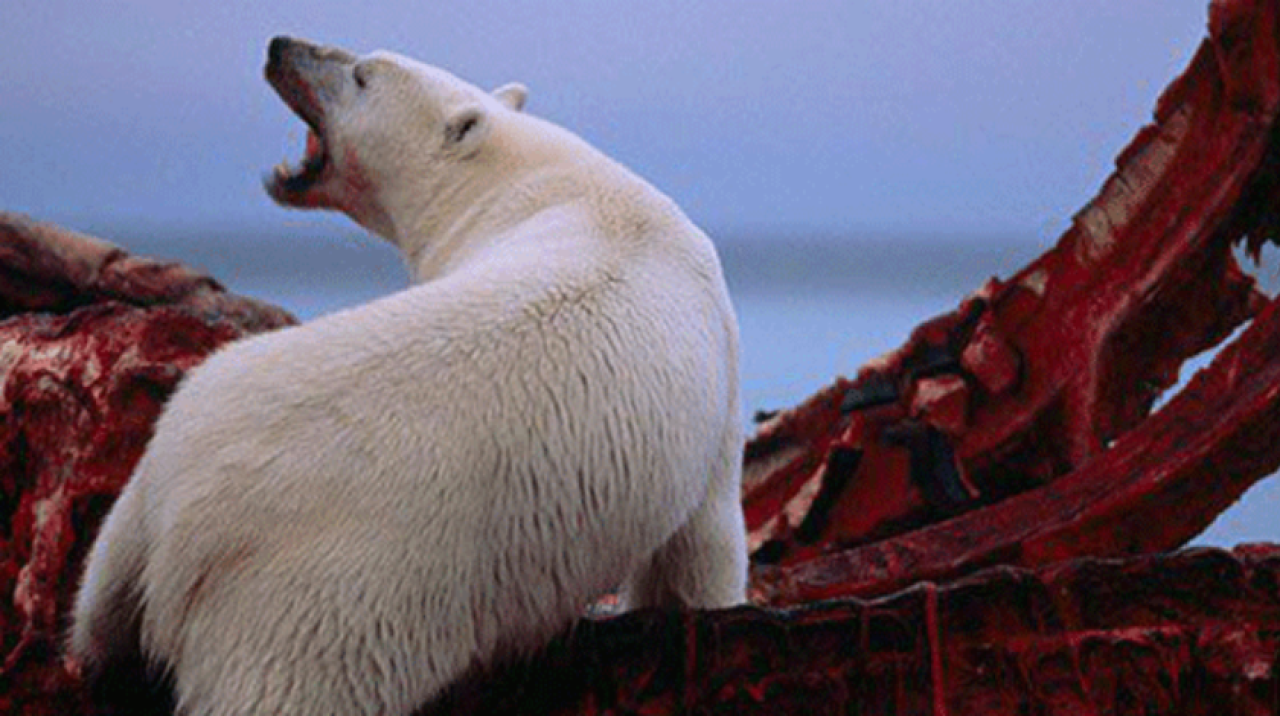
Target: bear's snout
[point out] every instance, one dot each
(310, 78)
(277, 49)
(284, 50)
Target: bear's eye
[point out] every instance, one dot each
(360, 73)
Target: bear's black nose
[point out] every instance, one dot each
(275, 51)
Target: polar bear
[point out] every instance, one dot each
(345, 516)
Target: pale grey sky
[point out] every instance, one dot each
(973, 115)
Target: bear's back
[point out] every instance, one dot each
(553, 359)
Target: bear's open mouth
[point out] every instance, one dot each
(294, 81)
(294, 179)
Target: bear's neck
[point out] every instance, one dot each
(444, 240)
(536, 168)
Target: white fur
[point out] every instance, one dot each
(344, 516)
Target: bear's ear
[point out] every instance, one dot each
(512, 94)
(466, 129)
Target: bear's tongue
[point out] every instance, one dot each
(314, 147)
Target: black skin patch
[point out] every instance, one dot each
(770, 552)
(764, 416)
(131, 687)
(933, 466)
(873, 390)
(842, 463)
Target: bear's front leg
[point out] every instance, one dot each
(704, 565)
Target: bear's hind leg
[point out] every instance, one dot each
(315, 634)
